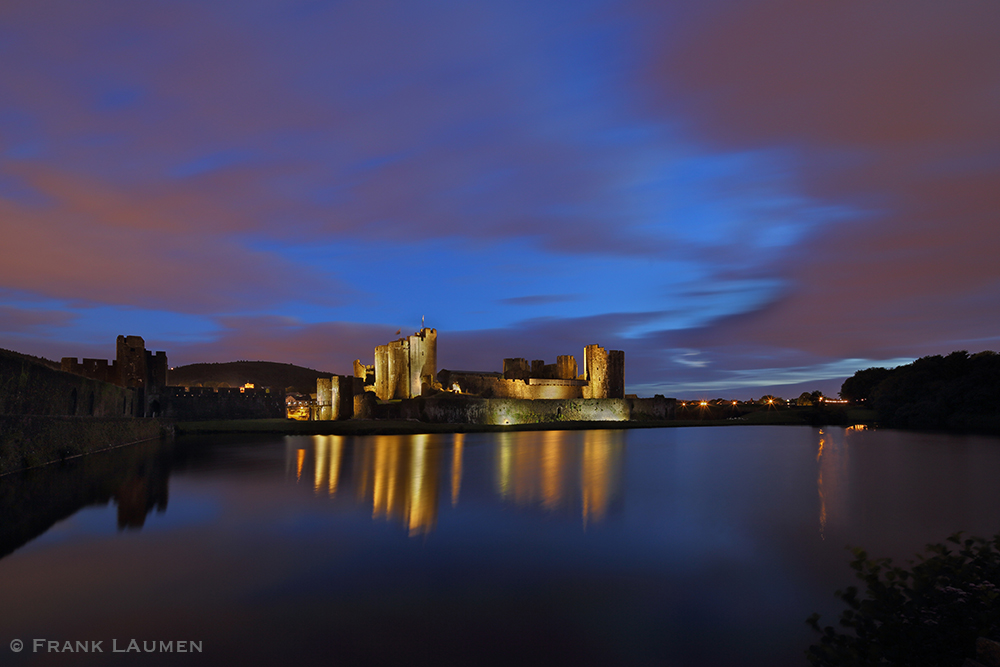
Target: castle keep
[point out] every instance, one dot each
(406, 368)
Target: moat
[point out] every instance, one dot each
(682, 546)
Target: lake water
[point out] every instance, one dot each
(681, 546)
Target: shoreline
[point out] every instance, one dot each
(412, 427)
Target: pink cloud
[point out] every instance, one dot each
(887, 110)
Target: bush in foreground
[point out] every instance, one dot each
(928, 614)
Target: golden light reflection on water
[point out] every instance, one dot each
(329, 452)
(401, 477)
(600, 476)
(456, 467)
(832, 456)
(549, 469)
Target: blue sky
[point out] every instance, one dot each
(743, 196)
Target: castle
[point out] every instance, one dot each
(144, 374)
(404, 368)
(603, 377)
(407, 368)
(134, 366)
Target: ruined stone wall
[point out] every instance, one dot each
(365, 405)
(604, 371)
(492, 385)
(520, 369)
(392, 370)
(134, 367)
(27, 441)
(335, 397)
(566, 367)
(131, 361)
(616, 374)
(543, 388)
(382, 372)
(156, 369)
(399, 370)
(516, 369)
(652, 409)
(324, 399)
(202, 403)
(95, 369)
(595, 371)
(452, 409)
(30, 388)
(422, 361)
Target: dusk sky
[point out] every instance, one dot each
(743, 196)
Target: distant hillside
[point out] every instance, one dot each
(239, 373)
(55, 365)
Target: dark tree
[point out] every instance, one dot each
(859, 387)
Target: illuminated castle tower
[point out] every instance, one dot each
(405, 366)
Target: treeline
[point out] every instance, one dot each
(958, 392)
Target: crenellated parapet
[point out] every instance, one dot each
(603, 377)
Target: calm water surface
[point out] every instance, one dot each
(705, 546)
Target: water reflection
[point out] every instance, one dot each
(832, 460)
(550, 469)
(134, 478)
(402, 478)
(397, 476)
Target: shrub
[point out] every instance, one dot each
(928, 614)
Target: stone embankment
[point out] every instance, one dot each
(47, 415)
(27, 441)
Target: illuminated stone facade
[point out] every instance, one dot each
(603, 377)
(407, 367)
(335, 397)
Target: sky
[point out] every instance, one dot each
(745, 197)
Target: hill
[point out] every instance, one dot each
(55, 365)
(239, 373)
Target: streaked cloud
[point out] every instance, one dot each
(727, 191)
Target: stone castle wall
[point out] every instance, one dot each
(604, 371)
(493, 385)
(30, 388)
(335, 397)
(204, 403)
(451, 409)
(134, 367)
(604, 377)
